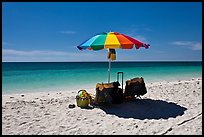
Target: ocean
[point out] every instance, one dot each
(24, 77)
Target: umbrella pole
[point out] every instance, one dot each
(109, 70)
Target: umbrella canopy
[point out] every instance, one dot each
(111, 40)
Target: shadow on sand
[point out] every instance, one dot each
(145, 109)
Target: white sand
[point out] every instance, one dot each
(168, 108)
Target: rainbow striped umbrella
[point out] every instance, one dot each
(111, 40)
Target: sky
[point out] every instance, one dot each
(51, 31)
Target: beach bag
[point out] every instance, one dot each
(108, 93)
(83, 98)
(103, 93)
(135, 86)
(111, 54)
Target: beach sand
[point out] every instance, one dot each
(169, 107)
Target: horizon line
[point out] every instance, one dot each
(103, 61)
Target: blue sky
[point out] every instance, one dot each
(51, 31)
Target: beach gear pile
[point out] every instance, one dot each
(107, 93)
(111, 93)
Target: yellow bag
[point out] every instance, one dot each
(83, 98)
(111, 54)
(82, 102)
(113, 57)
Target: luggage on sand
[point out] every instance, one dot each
(103, 93)
(135, 86)
(117, 94)
(109, 92)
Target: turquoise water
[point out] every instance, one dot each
(20, 77)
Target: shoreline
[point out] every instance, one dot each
(169, 107)
(92, 87)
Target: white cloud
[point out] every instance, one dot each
(6, 43)
(188, 44)
(31, 53)
(68, 32)
(197, 46)
(11, 55)
(135, 30)
(138, 37)
(141, 38)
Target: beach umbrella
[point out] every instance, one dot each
(111, 41)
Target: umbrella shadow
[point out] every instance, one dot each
(145, 109)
